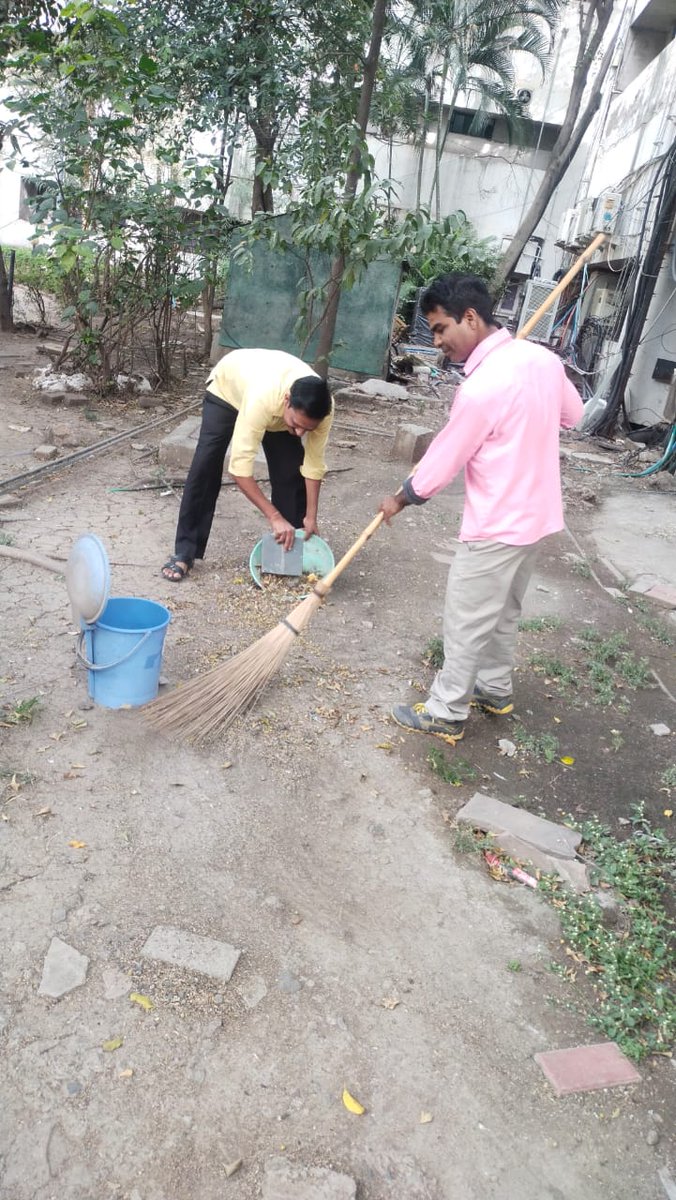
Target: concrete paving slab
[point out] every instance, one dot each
(285, 1180)
(493, 816)
(64, 969)
(662, 594)
(587, 1068)
(192, 952)
(178, 447)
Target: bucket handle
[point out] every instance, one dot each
(106, 666)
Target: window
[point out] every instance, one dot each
(462, 119)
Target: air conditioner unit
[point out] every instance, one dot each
(585, 221)
(603, 301)
(568, 224)
(606, 209)
(537, 291)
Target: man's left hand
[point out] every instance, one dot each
(310, 527)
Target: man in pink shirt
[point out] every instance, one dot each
(504, 430)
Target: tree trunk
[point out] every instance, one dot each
(327, 328)
(6, 322)
(575, 125)
(439, 140)
(266, 136)
(423, 147)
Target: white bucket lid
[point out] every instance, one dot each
(88, 578)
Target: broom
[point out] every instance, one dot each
(198, 709)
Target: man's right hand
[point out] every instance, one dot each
(284, 532)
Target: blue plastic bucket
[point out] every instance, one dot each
(123, 652)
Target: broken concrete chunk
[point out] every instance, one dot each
(64, 969)
(570, 870)
(45, 452)
(192, 952)
(411, 442)
(484, 812)
(285, 1180)
(378, 387)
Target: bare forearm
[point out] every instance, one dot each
(312, 488)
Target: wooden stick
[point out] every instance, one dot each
(562, 285)
(328, 581)
(37, 559)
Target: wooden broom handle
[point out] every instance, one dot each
(562, 285)
(324, 585)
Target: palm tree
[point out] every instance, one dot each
(469, 46)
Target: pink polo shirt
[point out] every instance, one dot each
(504, 430)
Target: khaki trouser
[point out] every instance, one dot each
(486, 586)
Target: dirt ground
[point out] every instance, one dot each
(315, 838)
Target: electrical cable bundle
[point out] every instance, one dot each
(665, 213)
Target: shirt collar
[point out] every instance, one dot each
(485, 347)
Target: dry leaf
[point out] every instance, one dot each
(79, 724)
(232, 1168)
(389, 1002)
(56, 737)
(127, 1073)
(384, 746)
(113, 1044)
(426, 1118)
(352, 1105)
(143, 1002)
(75, 845)
(226, 766)
(43, 812)
(296, 919)
(71, 775)
(20, 428)
(77, 766)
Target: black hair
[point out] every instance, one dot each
(311, 395)
(455, 293)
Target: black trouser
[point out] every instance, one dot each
(284, 454)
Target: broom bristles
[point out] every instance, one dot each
(198, 709)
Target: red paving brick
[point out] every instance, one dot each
(587, 1068)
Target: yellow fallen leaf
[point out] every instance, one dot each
(384, 746)
(113, 1044)
(352, 1105)
(143, 1001)
(567, 760)
(557, 720)
(668, 812)
(77, 845)
(127, 1073)
(426, 1118)
(238, 579)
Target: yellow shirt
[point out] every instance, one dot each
(255, 382)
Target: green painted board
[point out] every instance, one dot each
(260, 309)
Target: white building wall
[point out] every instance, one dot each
(13, 231)
(641, 123)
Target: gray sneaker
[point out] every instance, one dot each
(498, 706)
(416, 716)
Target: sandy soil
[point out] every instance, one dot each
(316, 839)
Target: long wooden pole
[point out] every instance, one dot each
(562, 285)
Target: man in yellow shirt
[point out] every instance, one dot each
(256, 398)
